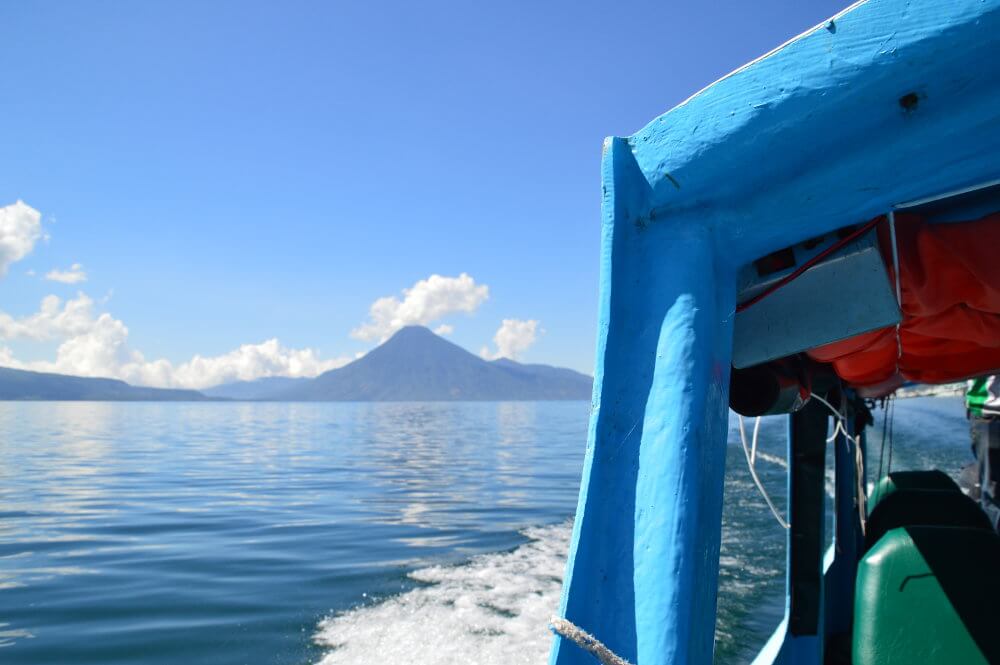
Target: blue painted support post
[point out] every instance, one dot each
(848, 539)
(643, 566)
(807, 431)
(810, 138)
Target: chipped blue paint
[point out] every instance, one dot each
(810, 138)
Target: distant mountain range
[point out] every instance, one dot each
(413, 365)
(417, 365)
(16, 384)
(256, 389)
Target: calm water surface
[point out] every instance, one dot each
(335, 533)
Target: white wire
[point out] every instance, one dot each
(859, 460)
(859, 469)
(899, 292)
(751, 453)
(835, 412)
(895, 257)
(753, 472)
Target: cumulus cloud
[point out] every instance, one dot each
(96, 344)
(55, 319)
(74, 275)
(513, 338)
(246, 363)
(444, 329)
(423, 303)
(20, 229)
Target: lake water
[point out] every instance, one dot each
(337, 533)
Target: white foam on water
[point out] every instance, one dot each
(494, 609)
(773, 459)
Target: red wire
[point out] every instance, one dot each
(857, 233)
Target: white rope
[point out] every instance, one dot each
(859, 471)
(859, 460)
(835, 412)
(838, 429)
(753, 472)
(586, 641)
(899, 291)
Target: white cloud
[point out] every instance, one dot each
(20, 229)
(444, 329)
(74, 275)
(423, 303)
(246, 363)
(513, 338)
(54, 319)
(96, 344)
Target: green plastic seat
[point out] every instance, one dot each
(910, 480)
(928, 594)
(909, 507)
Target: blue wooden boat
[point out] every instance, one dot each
(745, 231)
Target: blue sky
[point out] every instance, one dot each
(227, 173)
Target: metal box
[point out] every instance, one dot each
(845, 294)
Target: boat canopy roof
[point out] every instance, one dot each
(883, 104)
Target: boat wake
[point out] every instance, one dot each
(493, 609)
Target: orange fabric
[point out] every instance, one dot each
(950, 284)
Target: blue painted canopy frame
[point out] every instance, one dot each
(890, 101)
